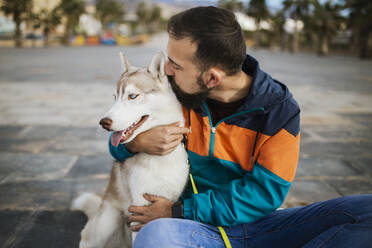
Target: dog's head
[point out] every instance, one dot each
(140, 93)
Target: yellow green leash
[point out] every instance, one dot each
(222, 231)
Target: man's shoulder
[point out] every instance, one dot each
(285, 115)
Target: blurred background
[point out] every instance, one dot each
(321, 26)
(59, 63)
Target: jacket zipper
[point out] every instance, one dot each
(213, 128)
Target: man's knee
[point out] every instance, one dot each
(154, 232)
(358, 206)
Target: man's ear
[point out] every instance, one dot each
(213, 77)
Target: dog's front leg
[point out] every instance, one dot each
(138, 200)
(101, 227)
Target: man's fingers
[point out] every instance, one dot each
(177, 130)
(176, 124)
(136, 209)
(175, 138)
(174, 128)
(136, 218)
(136, 228)
(172, 145)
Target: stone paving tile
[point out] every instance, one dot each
(351, 187)
(54, 139)
(26, 166)
(17, 145)
(10, 222)
(92, 185)
(96, 133)
(48, 195)
(10, 131)
(90, 165)
(310, 191)
(363, 165)
(48, 132)
(77, 146)
(364, 134)
(304, 134)
(57, 229)
(34, 195)
(42, 133)
(362, 118)
(318, 166)
(333, 149)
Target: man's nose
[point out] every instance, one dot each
(168, 69)
(106, 123)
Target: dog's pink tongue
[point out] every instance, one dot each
(116, 137)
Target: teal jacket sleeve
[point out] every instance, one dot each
(243, 200)
(120, 152)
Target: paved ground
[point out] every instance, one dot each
(51, 146)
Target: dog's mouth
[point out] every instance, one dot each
(121, 136)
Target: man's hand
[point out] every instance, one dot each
(159, 140)
(160, 208)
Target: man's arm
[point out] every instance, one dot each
(120, 152)
(257, 193)
(159, 140)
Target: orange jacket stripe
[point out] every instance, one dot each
(282, 162)
(198, 142)
(231, 142)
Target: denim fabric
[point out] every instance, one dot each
(340, 222)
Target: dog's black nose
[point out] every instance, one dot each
(106, 123)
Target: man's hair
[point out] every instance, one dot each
(218, 36)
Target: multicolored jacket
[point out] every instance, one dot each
(243, 166)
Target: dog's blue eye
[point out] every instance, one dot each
(132, 96)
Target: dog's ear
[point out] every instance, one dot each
(157, 65)
(124, 63)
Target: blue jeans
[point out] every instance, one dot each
(340, 222)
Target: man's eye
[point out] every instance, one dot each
(132, 96)
(175, 67)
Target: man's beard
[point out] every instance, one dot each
(190, 101)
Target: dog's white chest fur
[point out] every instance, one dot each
(164, 176)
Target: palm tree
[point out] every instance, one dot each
(48, 21)
(109, 11)
(71, 10)
(278, 32)
(154, 18)
(142, 12)
(232, 5)
(360, 21)
(258, 10)
(151, 18)
(297, 10)
(326, 22)
(19, 9)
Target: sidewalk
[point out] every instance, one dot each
(51, 146)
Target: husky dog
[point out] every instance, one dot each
(143, 99)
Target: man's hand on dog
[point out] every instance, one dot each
(160, 208)
(159, 140)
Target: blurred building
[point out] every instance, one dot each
(7, 26)
(248, 23)
(49, 5)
